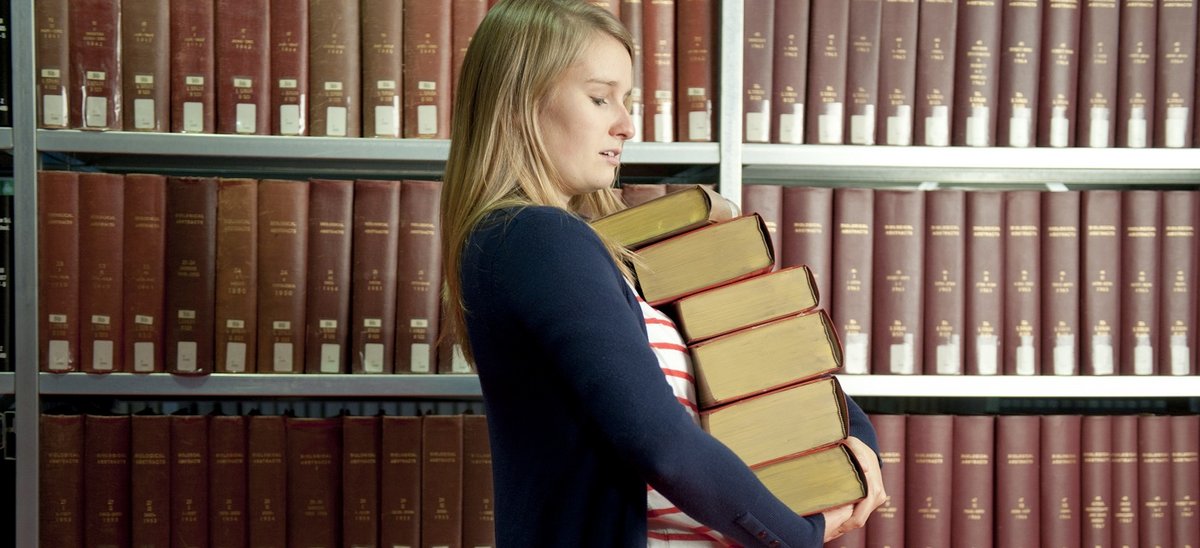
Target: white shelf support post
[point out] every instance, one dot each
(732, 27)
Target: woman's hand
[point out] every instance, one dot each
(875, 494)
(835, 518)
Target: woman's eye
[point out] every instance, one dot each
(599, 101)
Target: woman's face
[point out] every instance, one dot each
(584, 122)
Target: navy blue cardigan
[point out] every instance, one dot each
(579, 413)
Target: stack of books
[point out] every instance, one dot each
(763, 350)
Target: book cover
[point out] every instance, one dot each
(758, 55)
(658, 62)
(150, 481)
(1018, 481)
(106, 480)
(1060, 242)
(1096, 480)
(314, 509)
(985, 282)
(862, 71)
(400, 481)
(101, 269)
(1100, 306)
(373, 275)
(695, 74)
(704, 258)
(1141, 256)
(191, 274)
(828, 51)
(897, 72)
(945, 289)
(334, 68)
(283, 274)
(928, 471)
(53, 58)
(330, 223)
(289, 67)
(360, 481)
(227, 490)
(898, 279)
(1059, 82)
(1061, 502)
(193, 68)
(851, 288)
(237, 276)
(1022, 337)
(1177, 338)
(58, 269)
(146, 65)
(441, 480)
(145, 262)
(972, 519)
(382, 76)
(807, 227)
(1138, 51)
(189, 480)
(60, 481)
(418, 277)
(977, 73)
(95, 39)
(267, 485)
(243, 54)
(936, 54)
(1020, 68)
(1099, 34)
(427, 65)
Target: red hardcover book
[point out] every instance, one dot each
(1154, 500)
(1177, 339)
(373, 275)
(1185, 480)
(928, 469)
(479, 527)
(1060, 282)
(191, 274)
(58, 266)
(631, 16)
(1135, 83)
(936, 39)
(1017, 482)
(639, 193)
(807, 228)
(984, 282)
(853, 222)
(898, 280)
(1062, 516)
(193, 69)
(330, 221)
(886, 526)
(427, 60)
(1020, 68)
(1096, 480)
(266, 489)
(189, 480)
(382, 53)
(283, 275)
(227, 493)
(1058, 93)
(767, 202)
(150, 481)
(106, 476)
(1125, 501)
(757, 77)
(1141, 253)
(60, 481)
(289, 67)
(897, 71)
(977, 73)
(360, 481)
(95, 39)
(945, 290)
(695, 79)
(1100, 313)
(862, 71)
(145, 258)
(237, 276)
(827, 58)
(334, 68)
(53, 58)
(400, 478)
(441, 480)
(972, 516)
(1099, 26)
(1022, 296)
(314, 452)
(789, 73)
(243, 50)
(146, 65)
(658, 62)
(467, 15)
(101, 271)
(418, 277)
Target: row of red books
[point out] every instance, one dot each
(1097, 282)
(1046, 73)
(156, 481)
(371, 68)
(146, 273)
(1053, 480)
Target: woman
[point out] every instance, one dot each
(580, 416)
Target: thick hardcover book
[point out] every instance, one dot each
(1020, 68)
(758, 80)
(862, 71)
(101, 272)
(658, 58)
(60, 482)
(1125, 502)
(382, 76)
(1096, 480)
(289, 67)
(1022, 293)
(106, 474)
(330, 222)
(695, 75)
(146, 65)
(769, 426)
(450, 357)
(704, 258)
(972, 517)
(467, 14)
(1062, 511)
(243, 51)
(1185, 480)
(237, 276)
(1154, 500)
(191, 274)
(282, 275)
(928, 469)
(767, 202)
(807, 227)
(636, 194)
(898, 280)
(58, 268)
(1141, 253)
(897, 72)
(747, 303)
(656, 219)
(631, 16)
(227, 493)
(6, 95)
(886, 526)
(827, 59)
(334, 68)
(400, 481)
(1018, 484)
(1135, 82)
(189, 480)
(193, 68)
(1100, 314)
(266, 489)
(1177, 337)
(853, 222)
(441, 480)
(7, 287)
(314, 452)
(373, 275)
(53, 58)
(1058, 94)
(95, 38)
(150, 481)
(145, 260)
(945, 289)
(479, 527)
(789, 73)
(1060, 282)
(977, 73)
(937, 34)
(815, 481)
(418, 277)
(1099, 33)
(427, 60)
(360, 481)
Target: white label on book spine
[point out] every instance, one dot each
(427, 122)
(418, 323)
(1060, 127)
(281, 325)
(102, 355)
(335, 122)
(1180, 355)
(1177, 126)
(1135, 128)
(856, 354)
(791, 126)
(862, 126)
(143, 79)
(664, 98)
(143, 114)
(247, 118)
(235, 324)
(327, 324)
(696, 92)
(458, 360)
(185, 357)
(636, 115)
(97, 75)
(235, 357)
(95, 112)
(664, 127)
(193, 117)
(53, 107)
(58, 318)
(757, 130)
(282, 357)
(372, 322)
(987, 354)
(1098, 138)
(899, 126)
(50, 73)
(386, 85)
(331, 358)
(829, 125)
(58, 356)
(699, 128)
(949, 359)
(1143, 355)
(979, 126)
(288, 83)
(1064, 354)
(372, 358)
(419, 355)
(143, 357)
(243, 83)
(289, 119)
(901, 356)
(185, 314)
(1020, 127)
(425, 85)
(1024, 357)
(333, 86)
(937, 126)
(387, 121)
(1102, 355)
(98, 319)
(193, 80)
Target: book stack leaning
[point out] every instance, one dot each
(762, 349)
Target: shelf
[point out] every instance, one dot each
(6, 138)
(254, 385)
(7, 382)
(1000, 165)
(1020, 387)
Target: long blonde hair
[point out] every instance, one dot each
(498, 158)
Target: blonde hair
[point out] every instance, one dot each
(498, 158)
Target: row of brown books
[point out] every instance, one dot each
(157, 481)
(1027, 480)
(1098, 282)
(146, 273)
(332, 68)
(1050, 73)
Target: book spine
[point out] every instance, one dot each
(382, 58)
(400, 480)
(862, 71)
(243, 50)
(334, 68)
(60, 483)
(976, 73)
(1125, 502)
(266, 487)
(101, 269)
(237, 276)
(7, 287)
(898, 279)
(467, 14)
(1185, 480)
(189, 480)
(985, 282)
(945, 292)
(827, 58)
(191, 274)
(478, 493)
(283, 275)
(1062, 518)
(972, 516)
(1141, 252)
(289, 67)
(807, 238)
(373, 275)
(150, 481)
(853, 228)
(759, 52)
(1177, 337)
(789, 72)
(1099, 34)
(427, 59)
(330, 223)
(1101, 304)
(53, 58)
(441, 480)
(106, 476)
(227, 492)
(360, 481)
(1022, 295)
(928, 470)
(96, 64)
(314, 451)
(886, 526)
(1135, 82)
(1060, 70)
(58, 266)
(897, 71)
(418, 277)
(1017, 481)
(767, 202)
(631, 16)
(1020, 68)
(658, 58)
(694, 77)
(937, 33)
(1060, 282)
(1154, 480)
(1096, 480)
(145, 65)
(145, 258)
(193, 90)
